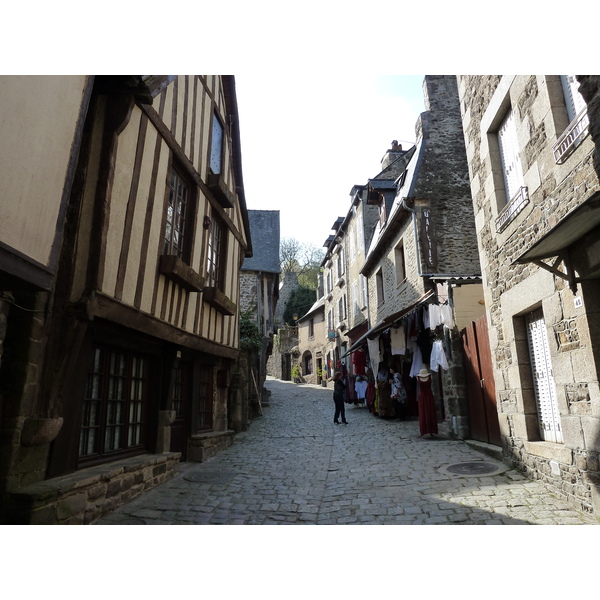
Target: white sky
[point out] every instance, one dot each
(317, 136)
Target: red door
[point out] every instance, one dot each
(481, 391)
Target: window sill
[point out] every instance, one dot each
(219, 190)
(173, 268)
(217, 299)
(549, 450)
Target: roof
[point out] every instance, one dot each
(320, 303)
(264, 232)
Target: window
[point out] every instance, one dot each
(352, 234)
(379, 280)
(360, 234)
(311, 328)
(516, 196)
(178, 215)
(400, 265)
(579, 121)
(354, 299)
(342, 308)
(216, 253)
(216, 147)
(509, 153)
(574, 100)
(543, 380)
(340, 263)
(329, 282)
(363, 291)
(115, 403)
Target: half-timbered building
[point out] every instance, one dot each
(125, 367)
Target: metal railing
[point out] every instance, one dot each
(512, 209)
(572, 136)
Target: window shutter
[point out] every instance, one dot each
(543, 379)
(574, 100)
(509, 152)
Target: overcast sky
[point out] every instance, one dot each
(317, 135)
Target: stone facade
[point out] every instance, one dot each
(77, 500)
(312, 336)
(426, 245)
(530, 264)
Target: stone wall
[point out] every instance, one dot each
(512, 290)
(83, 497)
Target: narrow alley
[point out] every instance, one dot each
(294, 466)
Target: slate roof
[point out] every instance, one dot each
(264, 231)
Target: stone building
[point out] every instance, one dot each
(259, 293)
(123, 226)
(335, 299)
(535, 187)
(312, 336)
(422, 263)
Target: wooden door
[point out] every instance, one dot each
(480, 388)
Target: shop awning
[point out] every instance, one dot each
(387, 322)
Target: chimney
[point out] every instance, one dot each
(392, 154)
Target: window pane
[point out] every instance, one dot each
(216, 150)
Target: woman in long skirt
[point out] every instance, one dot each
(427, 411)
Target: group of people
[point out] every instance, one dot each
(425, 400)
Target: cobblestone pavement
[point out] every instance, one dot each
(294, 466)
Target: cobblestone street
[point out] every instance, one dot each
(294, 466)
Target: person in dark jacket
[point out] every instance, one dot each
(339, 387)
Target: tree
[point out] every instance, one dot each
(303, 259)
(301, 299)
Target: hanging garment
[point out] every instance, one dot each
(359, 362)
(351, 389)
(427, 410)
(361, 388)
(398, 340)
(417, 362)
(374, 354)
(386, 406)
(426, 316)
(424, 342)
(370, 396)
(438, 356)
(446, 315)
(435, 316)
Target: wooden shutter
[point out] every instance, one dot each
(574, 100)
(543, 379)
(509, 152)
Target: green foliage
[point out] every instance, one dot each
(250, 336)
(296, 371)
(301, 299)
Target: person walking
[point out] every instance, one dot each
(339, 387)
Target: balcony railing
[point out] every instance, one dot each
(512, 209)
(573, 135)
